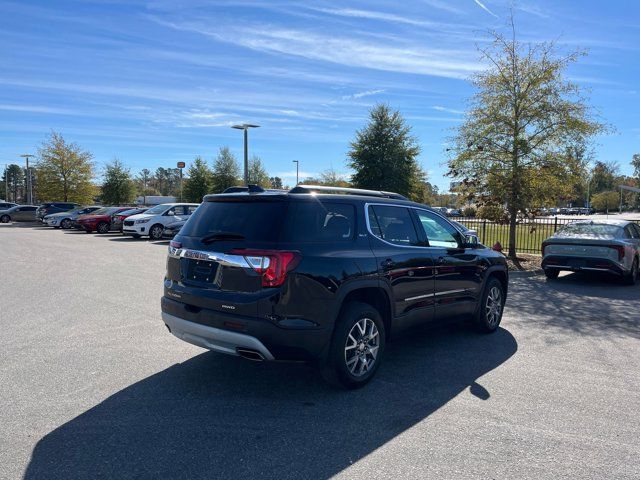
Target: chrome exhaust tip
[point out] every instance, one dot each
(250, 354)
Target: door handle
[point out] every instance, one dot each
(388, 263)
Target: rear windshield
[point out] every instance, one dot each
(275, 221)
(593, 229)
(253, 220)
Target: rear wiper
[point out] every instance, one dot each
(219, 236)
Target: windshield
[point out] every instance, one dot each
(590, 229)
(157, 210)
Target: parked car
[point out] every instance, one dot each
(54, 207)
(65, 219)
(608, 246)
(453, 212)
(100, 220)
(7, 205)
(312, 275)
(463, 228)
(172, 230)
(152, 222)
(19, 213)
(118, 218)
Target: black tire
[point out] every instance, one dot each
(56, 227)
(491, 307)
(135, 235)
(102, 228)
(340, 368)
(632, 277)
(551, 273)
(66, 224)
(5, 219)
(87, 230)
(155, 232)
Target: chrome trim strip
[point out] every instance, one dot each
(221, 258)
(437, 294)
(216, 339)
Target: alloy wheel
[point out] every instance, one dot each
(156, 233)
(493, 308)
(361, 347)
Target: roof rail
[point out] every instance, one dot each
(247, 188)
(346, 190)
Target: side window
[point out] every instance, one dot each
(636, 228)
(393, 224)
(171, 212)
(628, 232)
(326, 222)
(438, 231)
(190, 209)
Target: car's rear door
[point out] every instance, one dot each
(457, 279)
(404, 263)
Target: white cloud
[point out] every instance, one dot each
(445, 109)
(373, 15)
(353, 52)
(482, 6)
(366, 93)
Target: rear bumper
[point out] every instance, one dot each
(225, 332)
(215, 339)
(579, 264)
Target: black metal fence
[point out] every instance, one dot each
(530, 232)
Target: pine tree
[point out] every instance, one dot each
(118, 187)
(257, 173)
(384, 154)
(226, 171)
(199, 182)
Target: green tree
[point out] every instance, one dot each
(276, 182)
(635, 163)
(257, 173)
(118, 187)
(64, 171)
(226, 171)
(384, 154)
(329, 178)
(514, 145)
(603, 176)
(144, 183)
(13, 183)
(605, 201)
(199, 182)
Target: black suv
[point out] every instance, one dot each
(323, 274)
(50, 208)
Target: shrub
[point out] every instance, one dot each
(469, 212)
(494, 213)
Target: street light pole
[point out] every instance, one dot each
(297, 162)
(26, 156)
(245, 127)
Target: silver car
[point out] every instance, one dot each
(608, 246)
(66, 219)
(19, 213)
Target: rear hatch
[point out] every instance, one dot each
(227, 257)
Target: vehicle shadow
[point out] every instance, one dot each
(214, 416)
(32, 225)
(124, 238)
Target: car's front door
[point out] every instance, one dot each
(458, 279)
(404, 263)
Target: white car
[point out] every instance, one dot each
(152, 222)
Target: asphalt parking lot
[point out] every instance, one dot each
(93, 385)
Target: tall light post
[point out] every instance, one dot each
(245, 127)
(27, 156)
(297, 162)
(6, 182)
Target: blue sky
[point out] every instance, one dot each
(156, 82)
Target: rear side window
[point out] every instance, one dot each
(393, 224)
(254, 220)
(325, 222)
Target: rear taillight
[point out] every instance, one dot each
(272, 265)
(620, 250)
(174, 248)
(544, 245)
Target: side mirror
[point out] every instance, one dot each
(471, 240)
(170, 213)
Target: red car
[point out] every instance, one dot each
(118, 218)
(100, 220)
